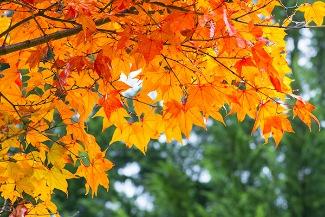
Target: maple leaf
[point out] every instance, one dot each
(57, 178)
(264, 61)
(276, 125)
(230, 28)
(46, 208)
(244, 102)
(87, 24)
(201, 97)
(36, 56)
(178, 21)
(271, 122)
(29, 1)
(182, 117)
(111, 102)
(304, 110)
(149, 48)
(76, 8)
(243, 62)
(95, 172)
(4, 23)
(313, 12)
(122, 4)
(56, 154)
(102, 66)
(78, 63)
(138, 132)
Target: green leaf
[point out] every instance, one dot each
(84, 158)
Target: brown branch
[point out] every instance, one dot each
(174, 7)
(283, 27)
(146, 12)
(11, 103)
(171, 69)
(25, 20)
(243, 80)
(59, 19)
(106, 6)
(16, 25)
(253, 11)
(47, 38)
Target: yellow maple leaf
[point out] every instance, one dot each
(313, 12)
(57, 178)
(42, 209)
(57, 155)
(4, 23)
(139, 133)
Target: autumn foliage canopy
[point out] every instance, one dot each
(148, 67)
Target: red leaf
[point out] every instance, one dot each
(102, 66)
(29, 1)
(122, 4)
(18, 80)
(78, 63)
(71, 14)
(244, 62)
(36, 56)
(149, 48)
(111, 102)
(125, 36)
(178, 21)
(276, 83)
(264, 62)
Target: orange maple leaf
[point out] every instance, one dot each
(36, 56)
(276, 125)
(303, 110)
(111, 102)
(95, 173)
(182, 117)
(272, 122)
(178, 22)
(264, 61)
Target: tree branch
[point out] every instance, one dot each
(40, 13)
(173, 7)
(47, 38)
